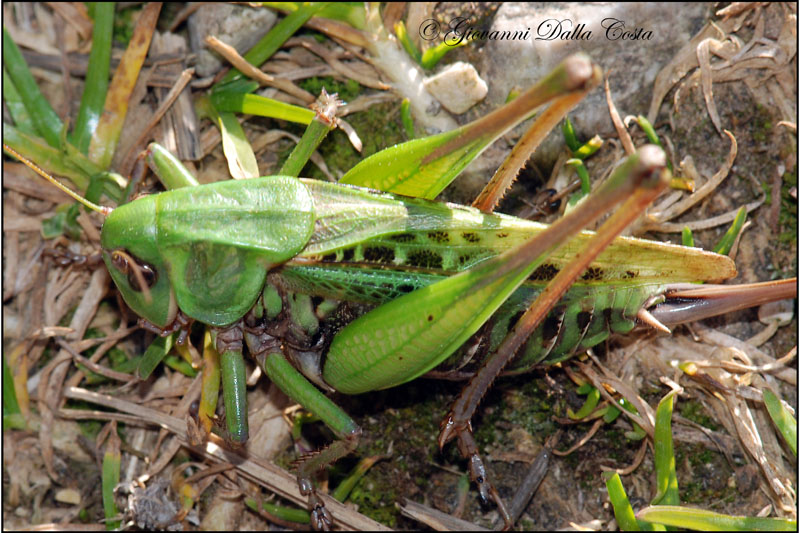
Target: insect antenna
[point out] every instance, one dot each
(105, 211)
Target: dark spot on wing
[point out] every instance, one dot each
(439, 237)
(463, 259)
(378, 254)
(402, 237)
(471, 237)
(405, 287)
(430, 318)
(584, 319)
(551, 325)
(502, 234)
(545, 272)
(593, 274)
(629, 274)
(328, 258)
(424, 259)
(348, 254)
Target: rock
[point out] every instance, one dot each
(633, 63)
(458, 87)
(238, 26)
(70, 496)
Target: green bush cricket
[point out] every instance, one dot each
(136, 260)
(247, 257)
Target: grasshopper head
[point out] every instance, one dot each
(135, 262)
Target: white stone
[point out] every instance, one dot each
(458, 87)
(70, 496)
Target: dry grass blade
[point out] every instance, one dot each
(704, 60)
(622, 131)
(235, 59)
(583, 440)
(683, 62)
(79, 526)
(696, 225)
(263, 473)
(645, 418)
(94, 367)
(330, 58)
(14, 178)
(751, 439)
(121, 87)
(180, 85)
(76, 17)
(718, 338)
(364, 102)
(11, 263)
(737, 8)
(706, 189)
(437, 520)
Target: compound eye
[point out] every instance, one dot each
(139, 273)
(148, 276)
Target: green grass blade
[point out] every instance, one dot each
(611, 414)
(725, 244)
(431, 57)
(96, 86)
(312, 137)
(242, 162)
(408, 45)
(290, 514)
(782, 419)
(12, 414)
(700, 519)
(109, 183)
(352, 13)
(64, 222)
(110, 478)
(583, 174)
(588, 406)
(569, 135)
(342, 491)
(16, 107)
(48, 125)
(651, 134)
(687, 239)
(278, 35)
(648, 130)
(77, 169)
(623, 511)
(664, 454)
(589, 147)
(179, 365)
(115, 108)
(154, 354)
(406, 118)
(253, 104)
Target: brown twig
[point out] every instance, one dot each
(241, 64)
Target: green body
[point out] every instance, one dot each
(214, 245)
